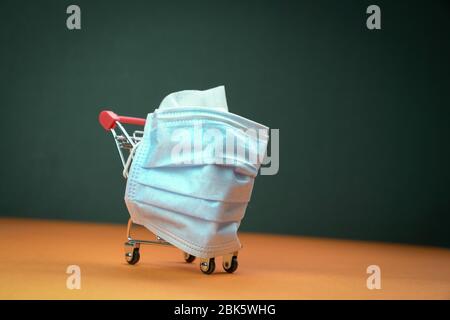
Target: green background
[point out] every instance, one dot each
(363, 115)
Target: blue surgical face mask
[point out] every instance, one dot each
(188, 184)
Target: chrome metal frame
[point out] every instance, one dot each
(131, 241)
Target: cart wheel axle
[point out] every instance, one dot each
(133, 256)
(230, 266)
(207, 266)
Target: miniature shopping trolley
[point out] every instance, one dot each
(125, 143)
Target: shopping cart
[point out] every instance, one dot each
(125, 143)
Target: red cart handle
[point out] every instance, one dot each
(108, 120)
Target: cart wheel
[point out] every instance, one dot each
(133, 257)
(208, 266)
(231, 267)
(189, 257)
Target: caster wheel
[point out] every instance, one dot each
(133, 257)
(231, 267)
(208, 266)
(189, 257)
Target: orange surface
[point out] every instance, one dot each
(34, 256)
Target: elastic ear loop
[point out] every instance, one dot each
(130, 158)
